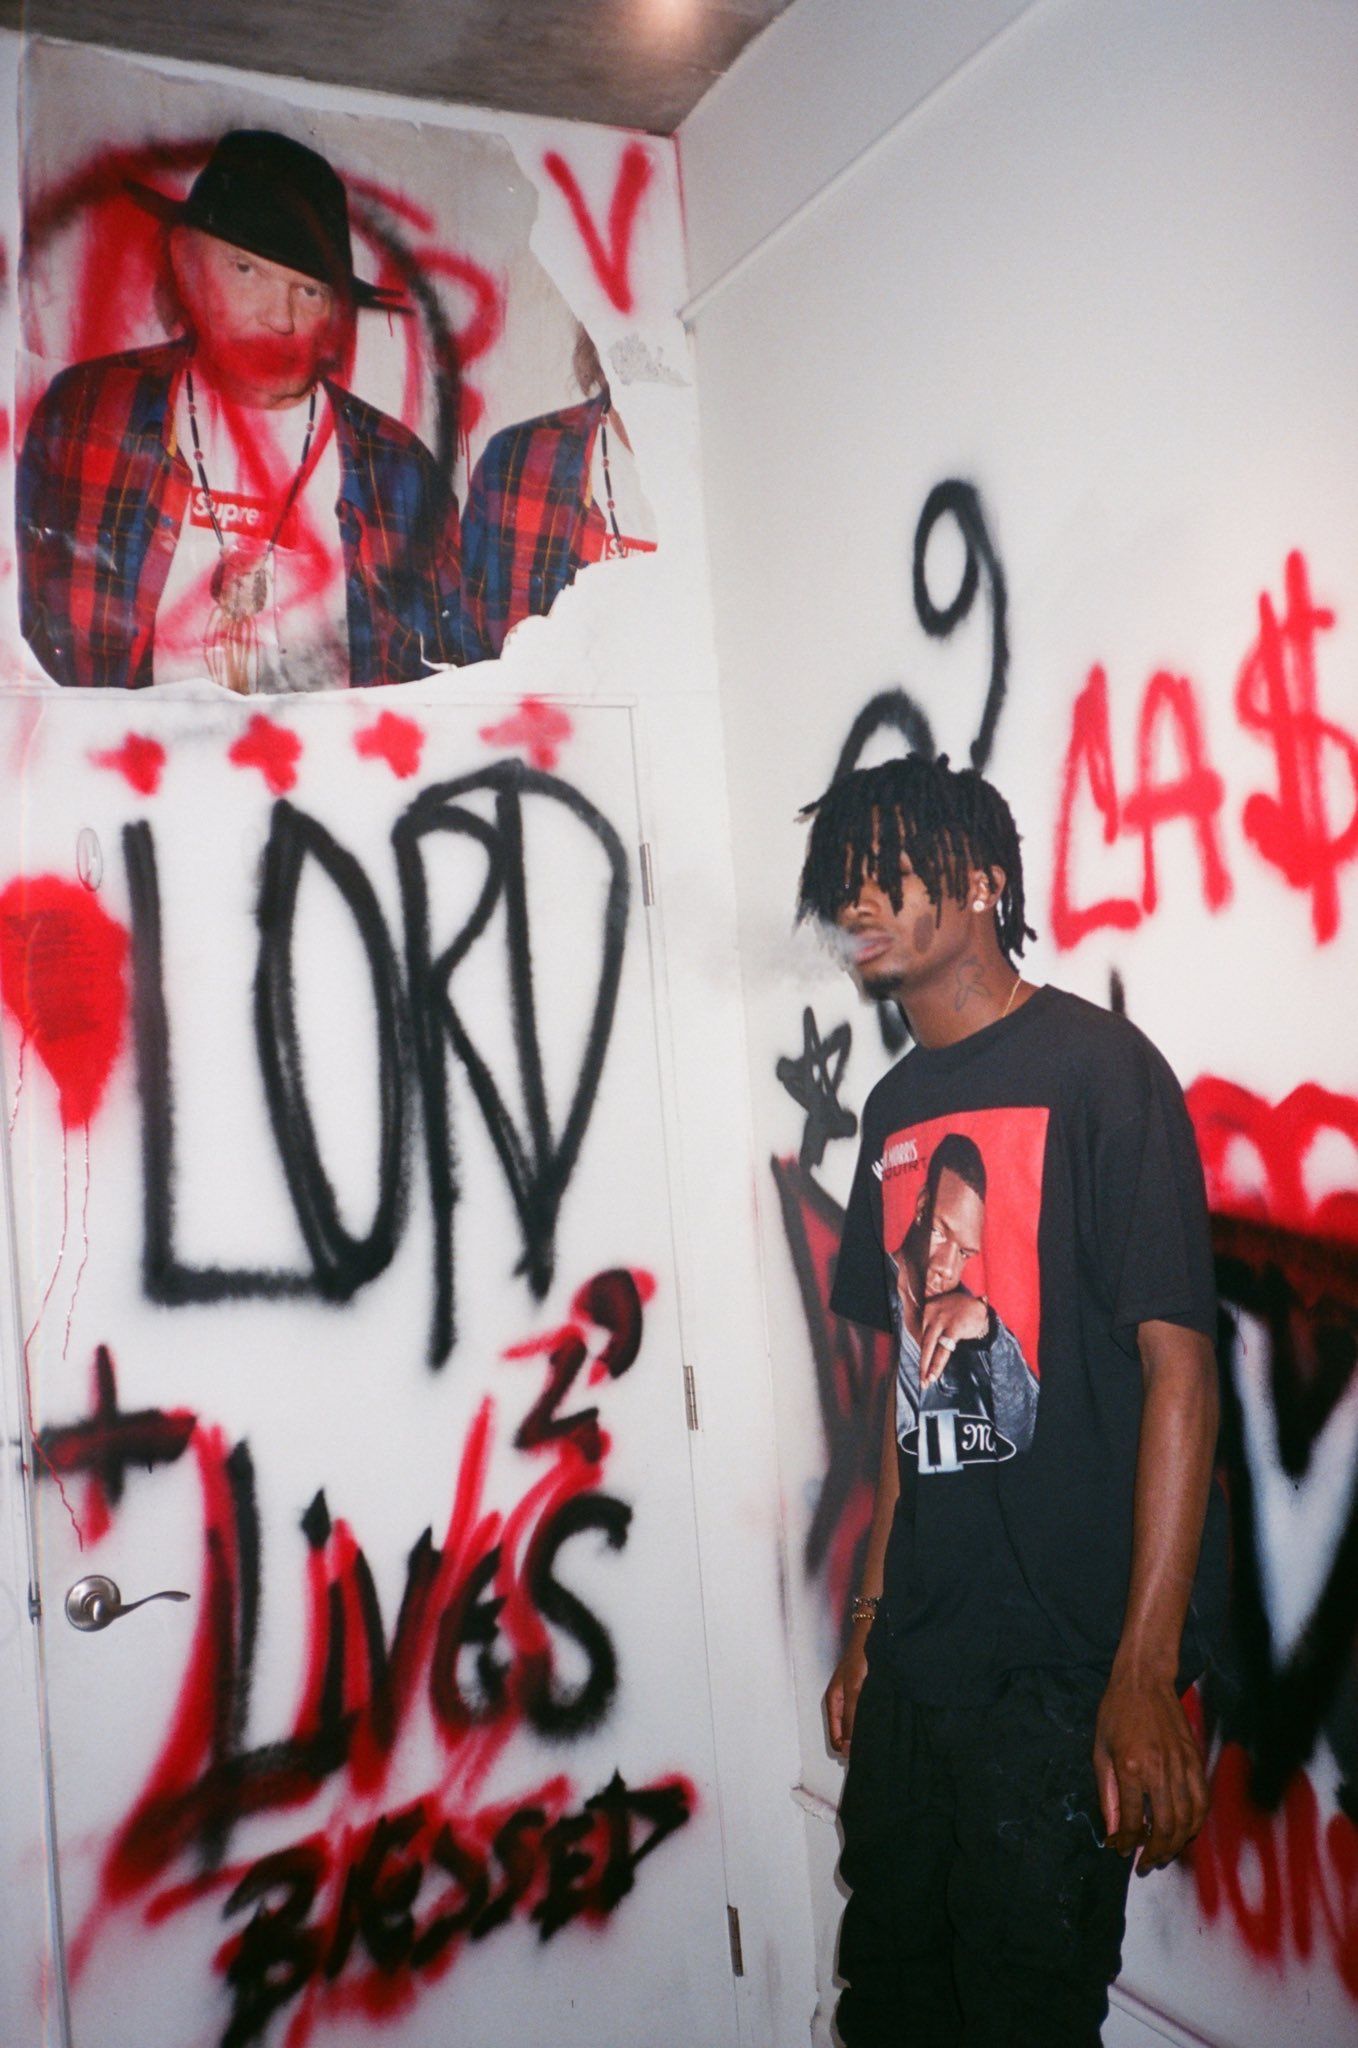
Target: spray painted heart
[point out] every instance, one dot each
(63, 980)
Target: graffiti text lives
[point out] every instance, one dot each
(382, 1897)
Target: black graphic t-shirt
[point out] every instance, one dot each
(1042, 1176)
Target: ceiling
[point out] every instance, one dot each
(630, 63)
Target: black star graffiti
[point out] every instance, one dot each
(110, 1439)
(813, 1082)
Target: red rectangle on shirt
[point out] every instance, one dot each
(1010, 1145)
(242, 518)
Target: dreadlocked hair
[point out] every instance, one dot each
(944, 821)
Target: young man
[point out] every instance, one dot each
(1038, 1588)
(219, 506)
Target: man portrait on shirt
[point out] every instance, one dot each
(219, 505)
(967, 1361)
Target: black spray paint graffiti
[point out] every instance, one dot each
(852, 1382)
(477, 1637)
(812, 1080)
(112, 1441)
(1303, 1292)
(416, 1024)
(462, 1606)
(851, 1375)
(414, 1885)
(537, 1164)
(895, 710)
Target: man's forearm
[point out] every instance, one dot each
(841, 1695)
(1173, 1473)
(1152, 1787)
(884, 1503)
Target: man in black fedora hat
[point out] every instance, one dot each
(219, 506)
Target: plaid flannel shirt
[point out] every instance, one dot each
(530, 524)
(101, 496)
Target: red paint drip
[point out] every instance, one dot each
(272, 749)
(611, 261)
(397, 741)
(84, 1254)
(62, 979)
(538, 729)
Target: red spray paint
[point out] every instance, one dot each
(1294, 829)
(63, 980)
(376, 1902)
(538, 728)
(271, 748)
(612, 258)
(1286, 1881)
(1277, 697)
(397, 741)
(140, 760)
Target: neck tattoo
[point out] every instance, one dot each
(614, 542)
(968, 986)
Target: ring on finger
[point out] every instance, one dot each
(947, 1343)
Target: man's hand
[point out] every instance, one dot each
(1152, 1786)
(948, 1320)
(841, 1694)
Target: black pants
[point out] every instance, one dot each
(985, 1911)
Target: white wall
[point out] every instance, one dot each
(1096, 261)
(626, 660)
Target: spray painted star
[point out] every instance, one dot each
(813, 1082)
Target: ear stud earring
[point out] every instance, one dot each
(979, 904)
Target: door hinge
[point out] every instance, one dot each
(647, 874)
(733, 1932)
(34, 1604)
(690, 1397)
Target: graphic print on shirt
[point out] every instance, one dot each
(961, 1198)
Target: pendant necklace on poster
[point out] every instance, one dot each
(614, 544)
(240, 581)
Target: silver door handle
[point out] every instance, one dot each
(94, 1602)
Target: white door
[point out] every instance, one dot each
(344, 1260)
